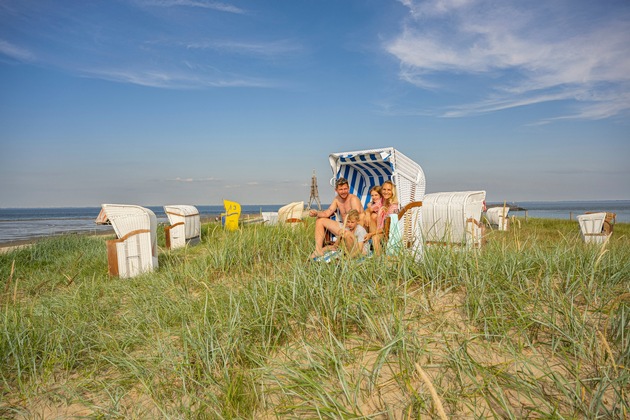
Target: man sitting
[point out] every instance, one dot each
(343, 203)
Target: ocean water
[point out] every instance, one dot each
(569, 210)
(29, 223)
(19, 224)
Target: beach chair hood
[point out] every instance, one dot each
(292, 212)
(365, 169)
(185, 225)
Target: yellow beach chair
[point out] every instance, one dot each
(231, 215)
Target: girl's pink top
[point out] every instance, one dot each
(384, 213)
(376, 206)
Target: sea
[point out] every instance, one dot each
(25, 224)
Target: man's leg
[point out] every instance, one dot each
(321, 226)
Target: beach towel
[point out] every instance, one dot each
(395, 240)
(328, 256)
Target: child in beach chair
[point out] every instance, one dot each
(370, 216)
(352, 236)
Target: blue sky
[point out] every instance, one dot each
(156, 102)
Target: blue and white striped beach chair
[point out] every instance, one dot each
(365, 169)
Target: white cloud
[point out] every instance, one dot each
(526, 56)
(15, 52)
(265, 49)
(178, 179)
(175, 79)
(221, 7)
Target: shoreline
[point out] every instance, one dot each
(23, 243)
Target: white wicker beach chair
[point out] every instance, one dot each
(135, 250)
(269, 217)
(592, 227)
(498, 216)
(291, 213)
(453, 218)
(365, 169)
(185, 226)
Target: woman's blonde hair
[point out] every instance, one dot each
(394, 197)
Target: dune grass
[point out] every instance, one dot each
(535, 325)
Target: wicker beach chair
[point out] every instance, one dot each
(135, 250)
(453, 218)
(269, 217)
(292, 213)
(596, 228)
(232, 214)
(365, 169)
(498, 216)
(185, 226)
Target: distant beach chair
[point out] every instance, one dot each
(596, 227)
(292, 213)
(365, 169)
(185, 226)
(230, 218)
(269, 217)
(498, 216)
(453, 218)
(135, 251)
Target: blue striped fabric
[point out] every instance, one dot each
(364, 171)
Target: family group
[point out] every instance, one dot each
(357, 230)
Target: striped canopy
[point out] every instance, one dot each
(367, 168)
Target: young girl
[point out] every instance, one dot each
(373, 207)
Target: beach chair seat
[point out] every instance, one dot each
(453, 218)
(185, 226)
(135, 251)
(596, 228)
(498, 216)
(609, 221)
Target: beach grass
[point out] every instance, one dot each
(534, 325)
